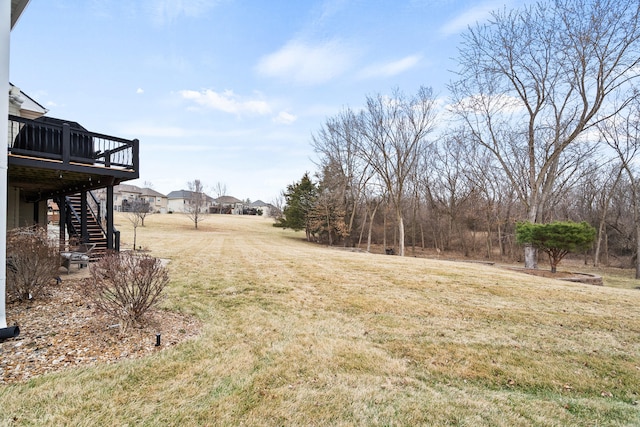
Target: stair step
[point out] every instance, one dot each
(93, 229)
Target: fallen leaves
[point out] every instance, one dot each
(61, 330)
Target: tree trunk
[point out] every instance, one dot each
(637, 248)
(349, 240)
(606, 249)
(636, 220)
(134, 238)
(530, 257)
(501, 246)
(329, 226)
(531, 253)
(372, 216)
(601, 226)
(364, 223)
(400, 234)
(384, 230)
(601, 231)
(489, 243)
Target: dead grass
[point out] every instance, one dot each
(296, 334)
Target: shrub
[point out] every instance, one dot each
(33, 261)
(557, 238)
(126, 285)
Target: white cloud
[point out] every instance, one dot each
(226, 101)
(390, 69)
(308, 64)
(469, 17)
(285, 118)
(139, 90)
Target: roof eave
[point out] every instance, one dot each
(17, 7)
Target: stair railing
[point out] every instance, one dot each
(71, 215)
(96, 209)
(93, 206)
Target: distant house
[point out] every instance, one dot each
(157, 201)
(180, 201)
(227, 205)
(53, 212)
(260, 206)
(125, 194)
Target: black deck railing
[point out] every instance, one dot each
(68, 142)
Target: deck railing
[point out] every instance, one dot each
(69, 144)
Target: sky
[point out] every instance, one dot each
(230, 92)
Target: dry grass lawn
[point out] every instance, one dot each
(299, 334)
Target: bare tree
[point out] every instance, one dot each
(494, 198)
(137, 211)
(220, 189)
(594, 196)
(623, 135)
(142, 209)
(277, 206)
(394, 131)
(196, 206)
(450, 188)
(343, 170)
(534, 80)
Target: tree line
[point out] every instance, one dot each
(541, 124)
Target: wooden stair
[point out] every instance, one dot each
(94, 230)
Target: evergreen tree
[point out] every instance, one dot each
(300, 199)
(557, 238)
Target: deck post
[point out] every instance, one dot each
(109, 215)
(62, 222)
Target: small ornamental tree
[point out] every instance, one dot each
(139, 209)
(196, 205)
(557, 239)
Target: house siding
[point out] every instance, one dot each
(20, 212)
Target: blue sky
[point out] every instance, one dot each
(230, 91)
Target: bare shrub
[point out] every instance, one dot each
(126, 285)
(33, 261)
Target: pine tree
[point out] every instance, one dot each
(300, 199)
(557, 238)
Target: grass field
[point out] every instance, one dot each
(303, 335)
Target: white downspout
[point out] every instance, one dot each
(5, 35)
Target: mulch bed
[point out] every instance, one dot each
(62, 330)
